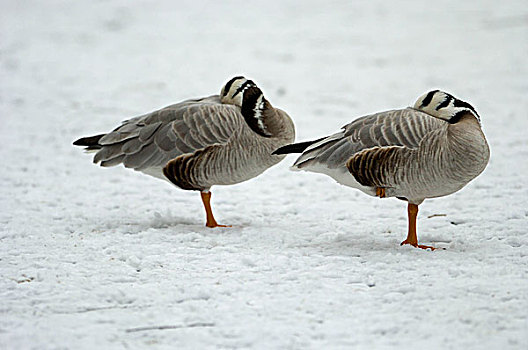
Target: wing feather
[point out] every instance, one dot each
(132, 146)
(164, 139)
(113, 161)
(147, 131)
(107, 153)
(136, 160)
(153, 139)
(400, 128)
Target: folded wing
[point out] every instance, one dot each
(404, 128)
(151, 140)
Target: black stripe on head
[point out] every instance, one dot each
(229, 83)
(245, 85)
(445, 102)
(428, 98)
(460, 103)
(456, 118)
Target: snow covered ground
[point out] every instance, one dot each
(109, 258)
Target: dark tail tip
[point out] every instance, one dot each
(89, 141)
(296, 147)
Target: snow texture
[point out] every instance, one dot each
(113, 259)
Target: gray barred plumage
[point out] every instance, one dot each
(195, 144)
(431, 150)
(415, 153)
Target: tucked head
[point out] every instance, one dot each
(233, 91)
(244, 93)
(445, 106)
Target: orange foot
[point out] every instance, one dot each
(380, 192)
(416, 245)
(213, 225)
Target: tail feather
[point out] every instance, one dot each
(91, 142)
(296, 147)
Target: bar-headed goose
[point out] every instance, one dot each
(431, 150)
(196, 144)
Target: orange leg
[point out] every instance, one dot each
(211, 222)
(380, 192)
(412, 239)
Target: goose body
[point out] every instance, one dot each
(430, 150)
(196, 144)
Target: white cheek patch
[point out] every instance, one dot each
(442, 105)
(235, 93)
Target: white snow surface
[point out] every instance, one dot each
(113, 259)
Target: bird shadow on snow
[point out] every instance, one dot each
(335, 242)
(361, 247)
(357, 243)
(163, 222)
(342, 244)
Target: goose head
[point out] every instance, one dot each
(244, 93)
(444, 106)
(233, 91)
